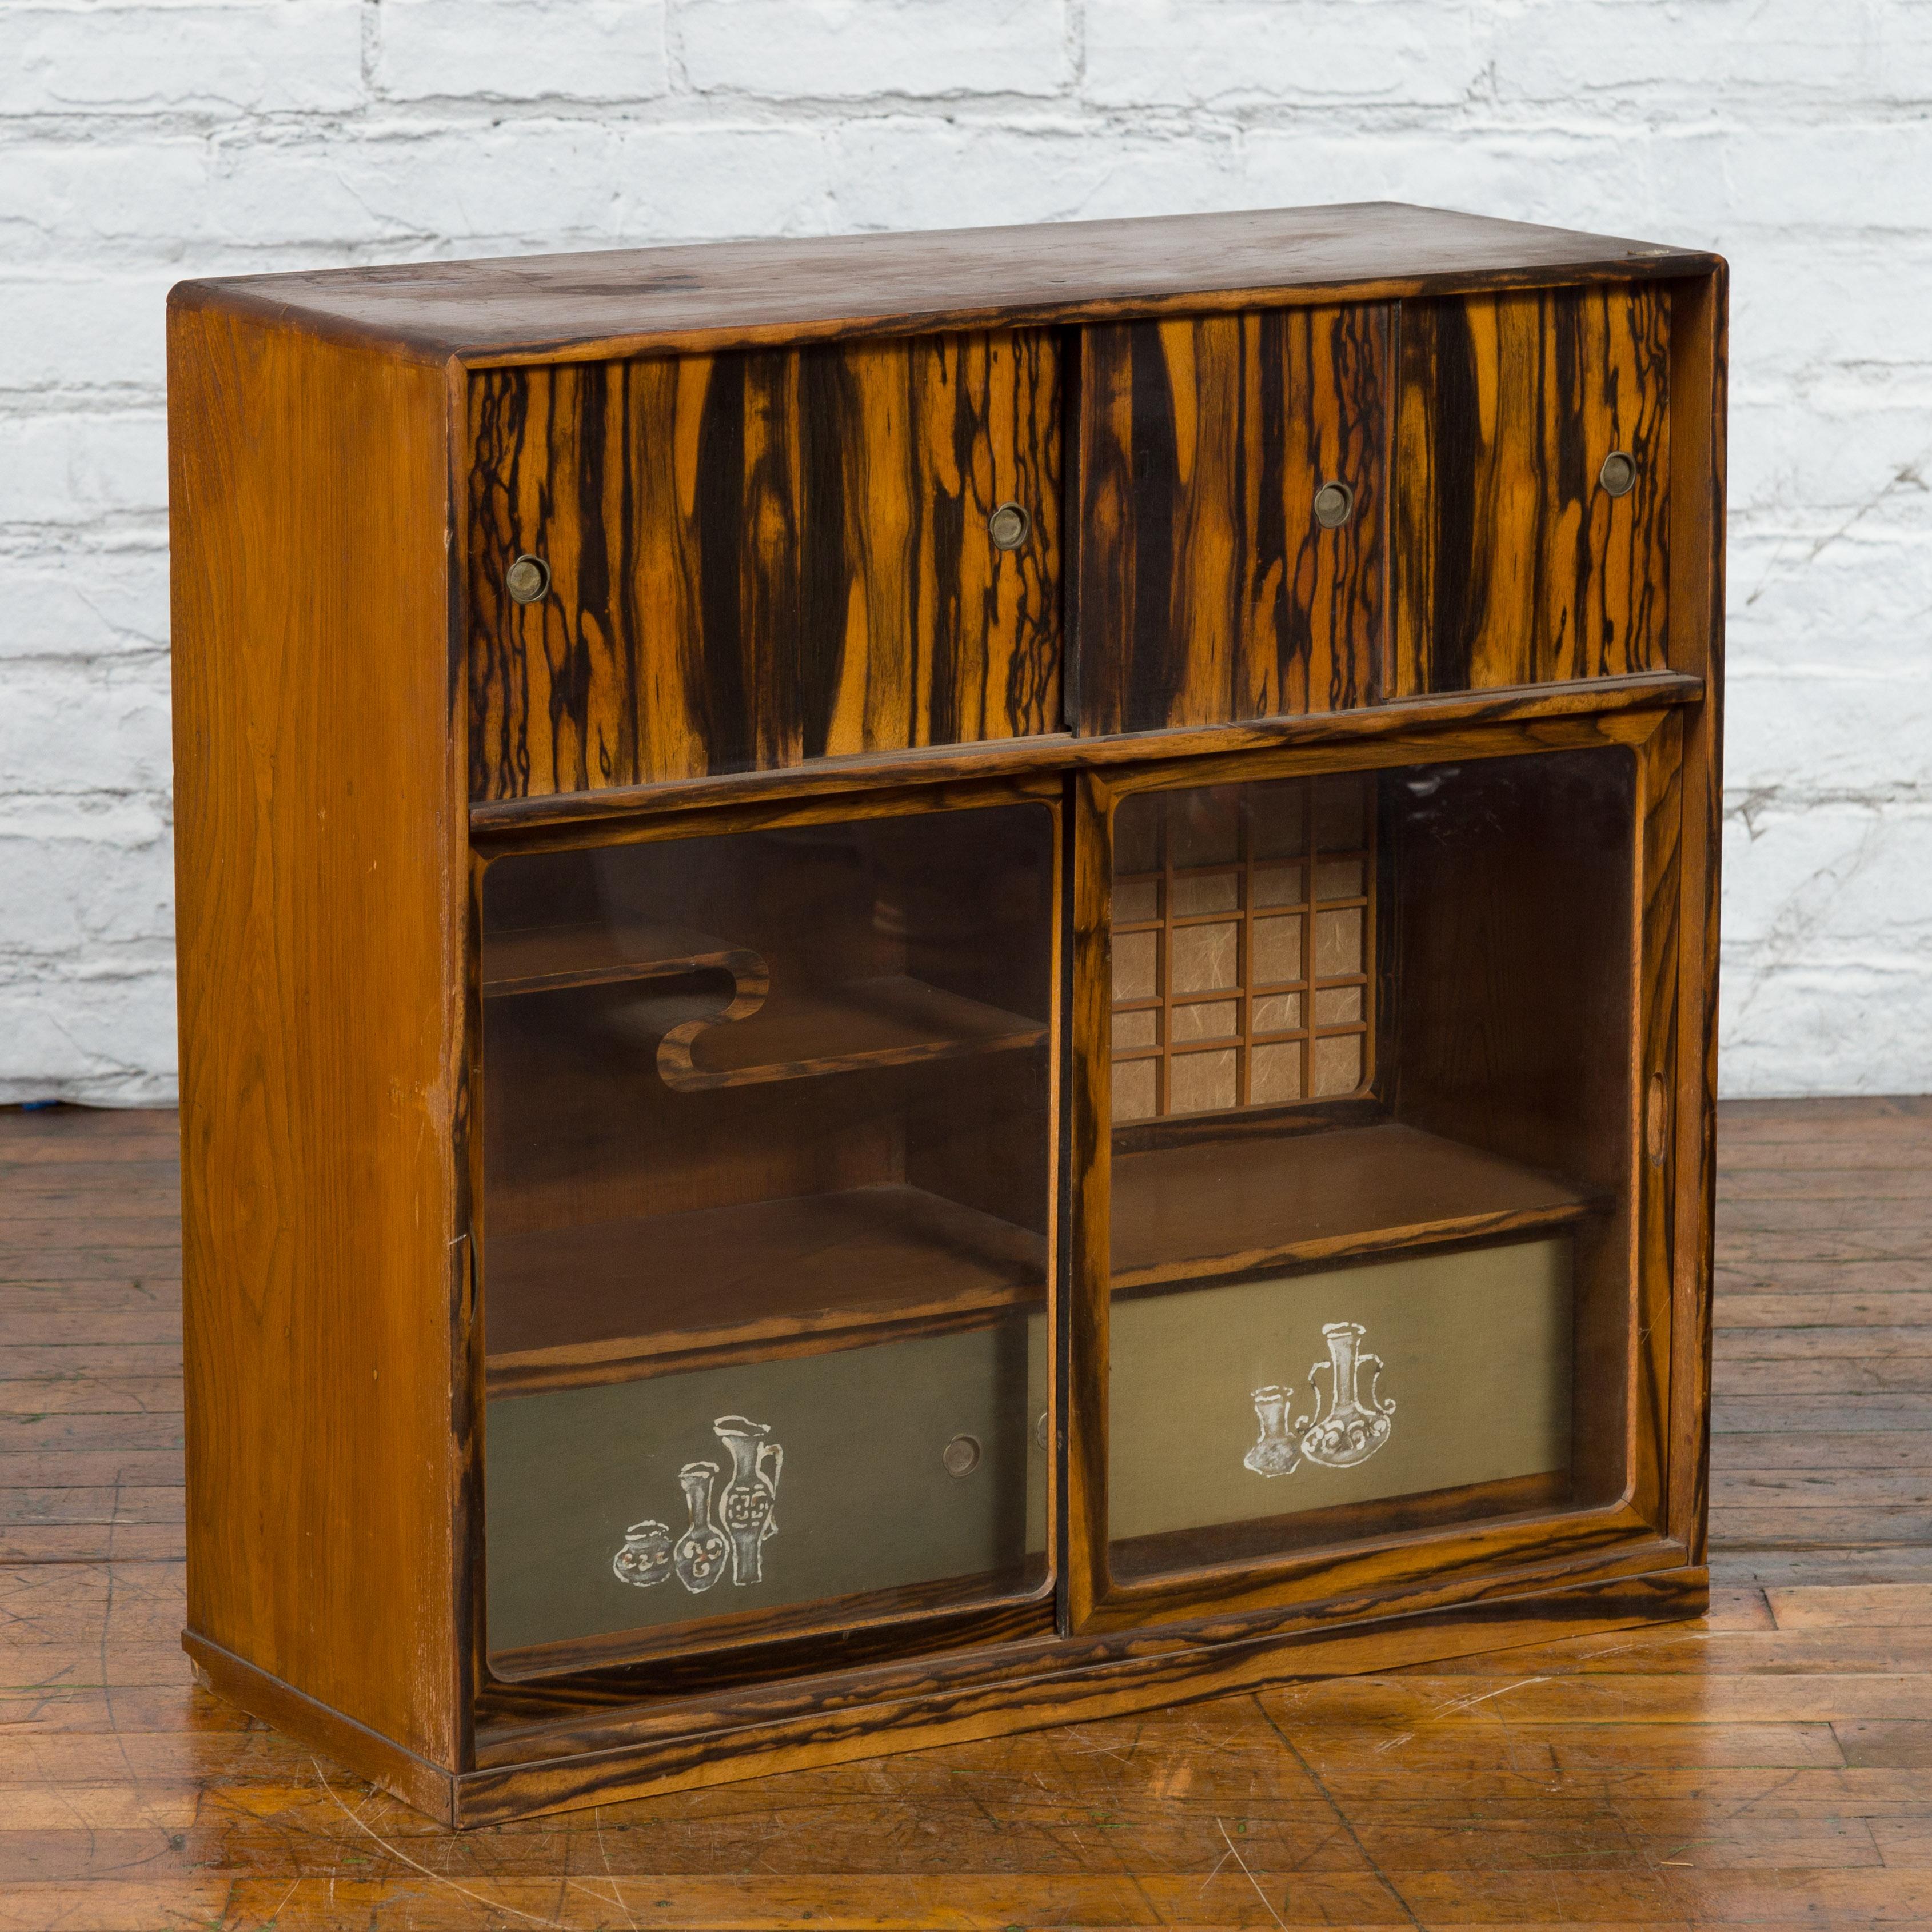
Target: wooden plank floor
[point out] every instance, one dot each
(1769, 1767)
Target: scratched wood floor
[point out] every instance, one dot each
(1770, 1767)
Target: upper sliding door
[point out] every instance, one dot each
(1532, 528)
(1233, 499)
(691, 564)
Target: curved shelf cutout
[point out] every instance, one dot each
(888, 1022)
(552, 958)
(703, 1040)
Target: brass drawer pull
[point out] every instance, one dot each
(1618, 474)
(1334, 504)
(1008, 526)
(527, 579)
(960, 1456)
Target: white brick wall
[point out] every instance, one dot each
(139, 143)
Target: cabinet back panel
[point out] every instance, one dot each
(1209, 593)
(1513, 564)
(756, 558)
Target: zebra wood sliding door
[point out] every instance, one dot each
(757, 558)
(1517, 560)
(1218, 582)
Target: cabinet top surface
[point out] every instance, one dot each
(713, 295)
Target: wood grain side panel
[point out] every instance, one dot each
(756, 559)
(1208, 592)
(1698, 310)
(1512, 564)
(319, 822)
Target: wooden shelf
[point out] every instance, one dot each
(616, 1301)
(890, 1021)
(751, 1035)
(550, 958)
(1225, 1206)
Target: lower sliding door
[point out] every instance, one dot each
(1359, 1261)
(767, 1201)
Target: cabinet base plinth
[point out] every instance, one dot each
(430, 1787)
(607, 1758)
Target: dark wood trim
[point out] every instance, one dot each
(943, 1616)
(700, 341)
(1262, 1539)
(1059, 751)
(1699, 311)
(1376, 1569)
(1089, 1115)
(1628, 726)
(567, 1715)
(629, 1754)
(1654, 1231)
(757, 810)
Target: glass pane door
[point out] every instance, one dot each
(1370, 1075)
(768, 1134)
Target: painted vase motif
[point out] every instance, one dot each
(1351, 1430)
(1276, 1453)
(745, 1506)
(646, 1557)
(699, 1559)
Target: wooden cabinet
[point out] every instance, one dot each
(938, 983)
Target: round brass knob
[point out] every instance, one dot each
(960, 1456)
(1008, 526)
(527, 579)
(1334, 504)
(1618, 474)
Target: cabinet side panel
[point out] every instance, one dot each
(317, 827)
(1698, 310)
(759, 559)
(1513, 564)
(1210, 593)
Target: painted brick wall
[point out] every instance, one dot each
(142, 142)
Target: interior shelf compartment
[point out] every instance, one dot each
(703, 1041)
(570, 1306)
(1226, 1205)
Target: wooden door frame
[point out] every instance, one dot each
(1665, 1430)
